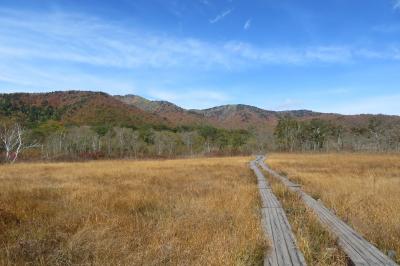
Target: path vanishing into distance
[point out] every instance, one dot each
(284, 250)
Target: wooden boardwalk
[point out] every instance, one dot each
(359, 250)
(276, 226)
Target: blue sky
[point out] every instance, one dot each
(330, 56)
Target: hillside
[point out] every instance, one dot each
(74, 107)
(226, 116)
(166, 110)
(95, 108)
(239, 116)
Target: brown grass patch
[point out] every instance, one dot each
(363, 189)
(181, 212)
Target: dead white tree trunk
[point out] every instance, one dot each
(12, 138)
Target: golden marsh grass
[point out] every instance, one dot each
(318, 246)
(363, 189)
(180, 212)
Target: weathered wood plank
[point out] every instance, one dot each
(284, 250)
(359, 250)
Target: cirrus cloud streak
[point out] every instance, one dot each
(81, 39)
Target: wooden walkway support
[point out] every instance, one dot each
(359, 250)
(284, 251)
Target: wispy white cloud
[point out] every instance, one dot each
(390, 53)
(221, 16)
(83, 39)
(326, 54)
(247, 24)
(20, 76)
(75, 42)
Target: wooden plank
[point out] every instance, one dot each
(284, 250)
(359, 250)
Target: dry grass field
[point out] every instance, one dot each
(318, 246)
(179, 212)
(363, 189)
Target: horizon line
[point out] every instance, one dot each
(199, 109)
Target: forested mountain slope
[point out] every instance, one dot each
(74, 108)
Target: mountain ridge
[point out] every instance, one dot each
(242, 116)
(92, 108)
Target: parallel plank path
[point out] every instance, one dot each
(359, 250)
(284, 250)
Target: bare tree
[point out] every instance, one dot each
(376, 130)
(127, 141)
(14, 141)
(55, 145)
(188, 139)
(160, 142)
(122, 135)
(134, 143)
(171, 140)
(263, 141)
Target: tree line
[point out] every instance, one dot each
(52, 140)
(321, 135)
